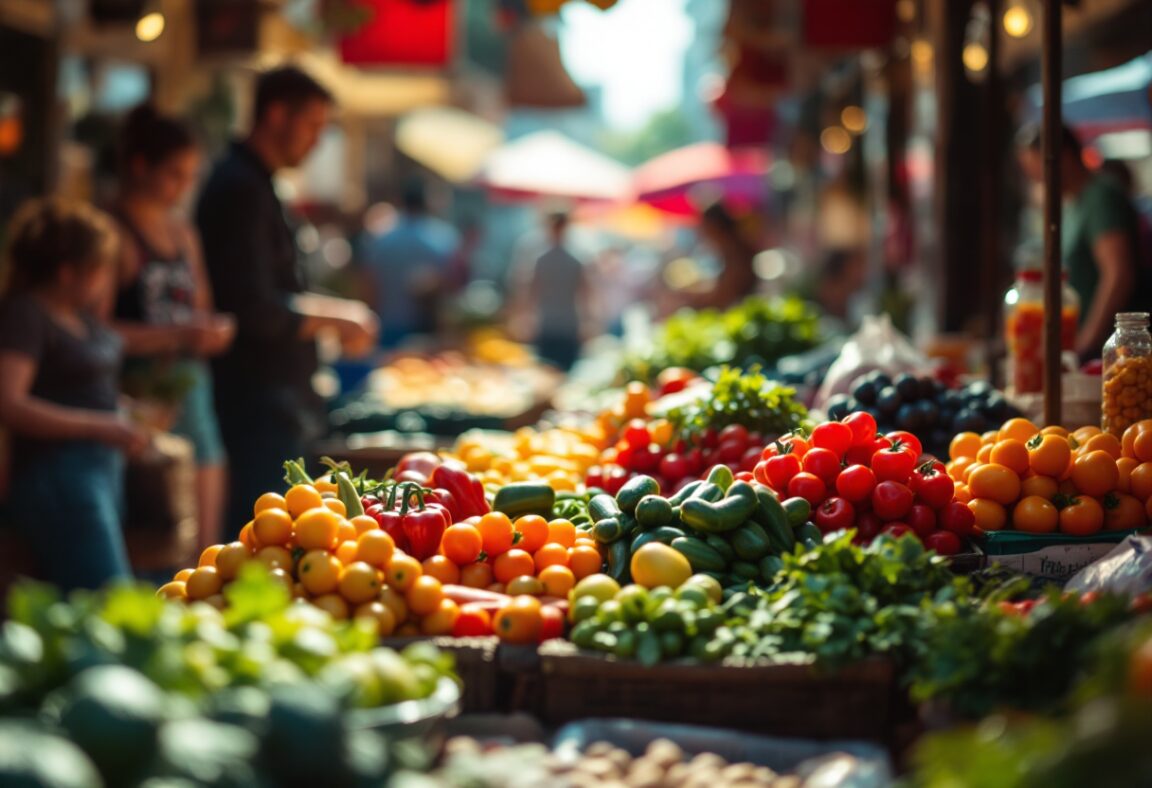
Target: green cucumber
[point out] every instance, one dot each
(769, 566)
(726, 515)
(797, 510)
(634, 490)
(721, 476)
(700, 556)
(721, 545)
(603, 506)
(521, 498)
(619, 562)
(771, 515)
(745, 570)
(810, 536)
(608, 530)
(750, 542)
(685, 492)
(653, 511)
(664, 534)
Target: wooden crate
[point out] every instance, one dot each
(859, 702)
(475, 664)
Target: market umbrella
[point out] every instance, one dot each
(682, 181)
(1114, 100)
(449, 141)
(549, 164)
(635, 221)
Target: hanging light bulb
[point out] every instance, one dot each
(1018, 21)
(150, 27)
(835, 140)
(854, 119)
(975, 57)
(975, 53)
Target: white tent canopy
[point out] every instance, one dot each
(549, 164)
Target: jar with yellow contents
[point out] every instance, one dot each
(1127, 373)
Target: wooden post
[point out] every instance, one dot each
(992, 269)
(1051, 66)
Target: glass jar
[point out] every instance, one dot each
(1024, 328)
(1127, 396)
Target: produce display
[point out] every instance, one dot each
(853, 477)
(122, 687)
(924, 406)
(758, 331)
(664, 764)
(1044, 481)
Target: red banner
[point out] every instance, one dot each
(849, 24)
(402, 33)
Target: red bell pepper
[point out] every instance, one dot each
(465, 488)
(446, 501)
(423, 525)
(417, 463)
(389, 522)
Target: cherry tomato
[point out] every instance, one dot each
(799, 443)
(709, 439)
(921, 519)
(943, 542)
(473, 621)
(824, 463)
(1095, 473)
(674, 379)
(519, 620)
(891, 500)
(742, 476)
(855, 483)
(750, 458)
(834, 436)
(1083, 517)
(695, 460)
(1122, 511)
(730, 451)
(636, 434)
(647, 459)
(626, 457)
(894, 464)
(1035, 515)
(957, 518)
(737, 433)
(907, 439)
(551, 623)
(896, 530)
(806, 486)
(932, 485)
(594, 477)
(868, 526)
(996, 483)
(780, 470)
(674, 467)
(863, 427)
(614, 479)
(835, 514)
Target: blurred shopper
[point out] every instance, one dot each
(163, 302)
(267, 407)
(408, 267)
(1100, 240)
(59, 393)
(721, 231)
(1123, 176)
(555, 287)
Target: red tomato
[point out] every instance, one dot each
(709, 439)
(730, 451)
(933, 485)
(806, 486)
(834, 436)
(737, 433)
(835, 514)
(891, 500)
(614, 479)
(647, 459)
(863, 427)
(859, 455)
(943, 542)
(594, 477)
(780, 469)
(894, 464)
(798, 443)
(695, 460)
(824, 463)
(551, 623)
(958, 518)
(473, 621)
(868, 526)
(749, 459)
(897, 529)
(855, 483)
(908, 440)
(674, 467)
(636, 434)
(921, 519)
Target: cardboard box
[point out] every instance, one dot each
(1053, 557)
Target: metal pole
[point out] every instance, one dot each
(1051, 58)
(991, 270)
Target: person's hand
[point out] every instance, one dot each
(210, 335)
(123, 434)
(359, 330)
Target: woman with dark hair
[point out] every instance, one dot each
(59, 394)
(721, 230)
(163, 301)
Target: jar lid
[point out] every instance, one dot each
(1037, 275)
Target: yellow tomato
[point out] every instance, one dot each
(657, 564)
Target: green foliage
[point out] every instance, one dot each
(747, 398)
(757, 331)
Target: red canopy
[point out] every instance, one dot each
(685, 180)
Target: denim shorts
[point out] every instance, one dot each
(66, 500)
(198, 422)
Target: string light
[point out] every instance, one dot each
(1017, 21)
(835, 140)
(975, 57)
(854, 119)
(150, 27)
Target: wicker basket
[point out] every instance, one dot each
(475, 665)
(859, 702)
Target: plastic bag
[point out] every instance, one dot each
(1127, 569)
(876, 345)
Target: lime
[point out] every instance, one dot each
(710, 584)
(600, 586)
(611, 611)
(583, 609)
(695, 595)
(633, 599)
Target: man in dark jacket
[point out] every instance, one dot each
(267, 407)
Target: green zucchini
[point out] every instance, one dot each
(770, 514)
(608, 530)
(750, 542)
(653, 511)
(700, 556)
(634, 490)
(521, 498)
(603, 506)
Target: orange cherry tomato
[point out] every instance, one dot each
(551, 555)
(533, 531)
(562, 532)
(519, 621)
(551, 623)
(984, 456)
(1142, 445)
(1140, 481)
(1043, 486)
(1049, 455)
(1095, 473)
(1125, 466)
(478, 575)
(990, 516)
(375, 548)
(584, 560)
(424, 596)
(1035, 515)
(558, 580)
(1012, 454)
(1122, 512)
(996, 483)
(966, 444)
(473, 621)
(1020, 429)
(1083, 517)
(402, 572)
(496, 533)
(512, 564)
(961, 492)
(1106, 442)
(462, 544)
(442, 620)
(441, 568)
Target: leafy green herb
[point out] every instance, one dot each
(739, 397)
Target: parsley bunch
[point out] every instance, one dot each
(740, 397)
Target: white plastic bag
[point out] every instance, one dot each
(876, 345)
(1127, 569)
